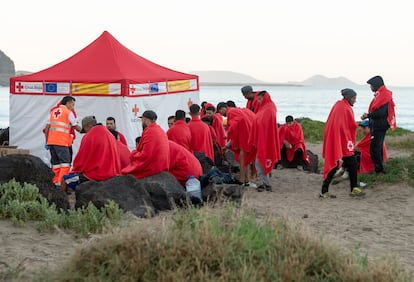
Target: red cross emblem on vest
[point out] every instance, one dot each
(57, 113)
(135, 110)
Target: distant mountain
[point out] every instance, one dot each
(231, 78)
(323, 81)
(235, 78)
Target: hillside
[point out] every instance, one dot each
(234, 78)
(323, 81)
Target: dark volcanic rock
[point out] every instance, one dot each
(4, 136)
(206, 163)
(164, 189)
(31, 169)
(6, 69)
(123, 190)
(218, 193)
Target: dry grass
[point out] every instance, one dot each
(230, 245)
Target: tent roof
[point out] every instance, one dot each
(106, 60)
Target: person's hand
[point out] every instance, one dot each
(364, 116)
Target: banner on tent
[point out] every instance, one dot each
(22, 87)
(145, 89)
(96, 88)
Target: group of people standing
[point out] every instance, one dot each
(339, 144)
(251, 133)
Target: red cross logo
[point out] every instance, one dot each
(190, 102)
(57, 113)
(19, 87)
(135, 110)
(131, 89)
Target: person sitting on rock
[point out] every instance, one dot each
(292, 142)
(98, 157)
(123, 149)
(152, 155)
(180, 132)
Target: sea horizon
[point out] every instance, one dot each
(299, 101)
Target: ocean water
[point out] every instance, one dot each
(305, 101)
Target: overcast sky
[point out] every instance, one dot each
(274, 41)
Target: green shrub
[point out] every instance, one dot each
(398, 170)
(227, 246)
(22, 203)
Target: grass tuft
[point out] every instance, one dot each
(230, 246)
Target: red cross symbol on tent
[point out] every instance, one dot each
(57, 113)
(190, 102)
(19, 87)
(131, 89)
(135, 110)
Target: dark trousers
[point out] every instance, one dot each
(297, 159)
(376, 149)
(350, 163)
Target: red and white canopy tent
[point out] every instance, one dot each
(106, 79)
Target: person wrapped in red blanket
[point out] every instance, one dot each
(363, 150)
(292, 142)
(339, 140)
(152, 155)
(264, 139)
(381, 115)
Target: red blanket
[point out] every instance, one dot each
(201, 139)
(219, 129)
(152, 155)
(183, 164)
(339, 135)
(264, 136)
(180, 134)
(366, 165)
(381, 97)
(239, 124)
(98, 156)
(253, 104)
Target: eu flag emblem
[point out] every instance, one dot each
(51, 87)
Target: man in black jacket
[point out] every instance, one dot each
(381, 115)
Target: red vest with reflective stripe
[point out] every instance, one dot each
(59, 131)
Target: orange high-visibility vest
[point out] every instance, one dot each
(59, 131)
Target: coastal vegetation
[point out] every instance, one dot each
(23, 203)
(221, 245)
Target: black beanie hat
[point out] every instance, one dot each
(376, 82)
(348, 93)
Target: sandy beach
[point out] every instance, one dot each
(379, 224)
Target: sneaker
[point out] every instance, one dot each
(260, 188)
(339, 172)
(356, 192)
(327, 195)
(268, 188)
(362, 184)
(345, 175)
(279, 167)
(250, 184)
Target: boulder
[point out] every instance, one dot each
(206, 163)
(166, 192)
(126, 191)
(220, 193)
(313, 165)
(4, 136)
(31, 169)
